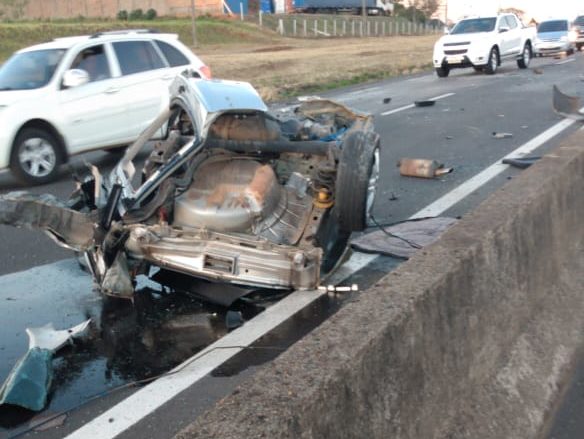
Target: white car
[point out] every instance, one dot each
(555, 36)
(484, 43)
(77, 94)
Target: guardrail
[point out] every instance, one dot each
(331, 26)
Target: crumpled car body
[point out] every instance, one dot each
(232, 194)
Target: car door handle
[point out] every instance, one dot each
(112, 90)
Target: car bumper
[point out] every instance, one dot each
(550, 48)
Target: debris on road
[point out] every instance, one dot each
(522, 162)
(233, 320)
(427, 103)
(386, 100)
(423, 168)
(29, 381)
(567, 106)
(537, 71)
(403, 239)
(497, 135)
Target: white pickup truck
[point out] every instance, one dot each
(484, 43)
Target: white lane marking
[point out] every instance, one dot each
(146, 400)
(566, 61)
(407, 107)
(454, 196)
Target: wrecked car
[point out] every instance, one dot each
(233, 193)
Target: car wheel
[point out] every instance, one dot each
(356, 181)
(493, 62)
(442, 72)
(36, 156)
(523, 62)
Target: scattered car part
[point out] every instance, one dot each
(423, 168)
(29, 381)
(232, 194)
(386, 100)
(497, 135)
(404, 239)
(521, 162)
(567, 106)
(427, 103)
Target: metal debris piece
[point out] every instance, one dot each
(521, 162)
(29, 381)
(497, 135)
(567, 106)
(427, 103)
(422, 168)
(67, 227)
(403, 240)
(339, 289)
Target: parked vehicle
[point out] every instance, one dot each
(373, 7)
(579, 29)
(483, 44)
(76, 94)
(233, 194)
(553, 37)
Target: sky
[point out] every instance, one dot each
(539, 9)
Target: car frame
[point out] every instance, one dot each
(232, 194)
(64, 111)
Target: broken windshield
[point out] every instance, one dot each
(30, 70)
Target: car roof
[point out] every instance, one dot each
(126, 34)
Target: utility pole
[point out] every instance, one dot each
(193, 24)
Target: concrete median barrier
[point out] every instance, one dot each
(469, 339)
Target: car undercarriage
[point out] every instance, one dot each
(232, 193)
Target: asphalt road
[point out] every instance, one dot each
(457, 131)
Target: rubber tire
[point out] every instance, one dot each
(489, 68)
(442, 72)
(19, 173)
(521, 62)
(354, 171)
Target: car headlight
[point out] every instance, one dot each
(573, 36)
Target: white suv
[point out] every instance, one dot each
(76, 94)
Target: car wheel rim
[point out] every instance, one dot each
(372, 184)
(526, 55)
(493, 61)
(37, 157)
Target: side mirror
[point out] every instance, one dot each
(74, 78)
(503, 29)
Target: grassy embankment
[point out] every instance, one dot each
(278, 67)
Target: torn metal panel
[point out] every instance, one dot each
(29, 382)
(71, 229)
(567, 106)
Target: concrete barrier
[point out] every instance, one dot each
(468, 339)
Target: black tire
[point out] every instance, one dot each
(442, 72)
(523, 62)
(45, 155)
(492, 62)
(359, 163)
